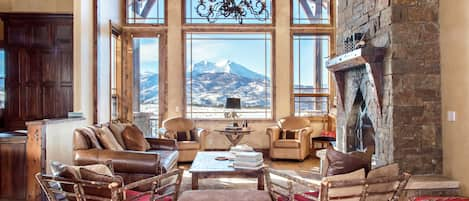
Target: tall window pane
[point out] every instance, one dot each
(311, 11)
(146, 83)
(223, 65)
(192, 17)
(2, 78)
(311, 78)
(145, 11)
(115, 61)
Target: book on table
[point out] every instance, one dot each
(248, 160)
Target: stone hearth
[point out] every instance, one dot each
(405, 109)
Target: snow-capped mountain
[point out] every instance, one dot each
(212, 83)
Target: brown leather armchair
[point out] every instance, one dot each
(187, 149)
(131, 165)
(290, 148)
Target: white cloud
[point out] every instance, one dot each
(206, 50)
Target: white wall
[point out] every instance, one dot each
(107, 11)
(59, 141)
(454, 42)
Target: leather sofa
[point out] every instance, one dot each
(131, 165)
(290, 148)
(187, 149)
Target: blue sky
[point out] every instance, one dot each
(249, 50)
(149, 54)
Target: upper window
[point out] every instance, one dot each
(214, 12)
(145, 11)
(228, 65)
(311, 78)
(2, 78)
(311, 11)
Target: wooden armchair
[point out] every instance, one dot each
(78, 188)
(380, 188)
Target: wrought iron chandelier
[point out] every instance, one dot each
(237, 9)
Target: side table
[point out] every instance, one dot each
(234, 136)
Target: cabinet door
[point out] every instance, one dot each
(12, 171)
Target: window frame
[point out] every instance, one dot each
(311, 30)
(221, 30)
(127, 62)
(185, 24)
(165, 14)
(115, 32)
(332, 17)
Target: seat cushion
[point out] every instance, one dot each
(185, 145)
(168, 159)
(287, 143)
(222, 195)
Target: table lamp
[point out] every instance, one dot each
(232, 103)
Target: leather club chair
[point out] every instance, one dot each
(298, 148)
(130, 165)
(187, 149)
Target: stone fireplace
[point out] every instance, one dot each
(390, 93)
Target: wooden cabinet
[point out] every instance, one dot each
(39, 67)
(12, 166)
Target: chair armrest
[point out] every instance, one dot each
(307, 130)
(273, 132)
(200, 135)
(122, 161)
(160, 143)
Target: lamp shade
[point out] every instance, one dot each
(233, 103)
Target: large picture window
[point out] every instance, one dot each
(223, 65)
(311, 78)
(311, 11)
(194, 7)
(145, 11)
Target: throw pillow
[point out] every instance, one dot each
(185, 135)
(341, 163)
(73, 172)
(134, 139)
(107, 139)
(117, 129)
(289, 134)
(90, 175)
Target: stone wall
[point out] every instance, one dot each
(411, 108)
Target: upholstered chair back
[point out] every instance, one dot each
(293, 123)
(178, 124)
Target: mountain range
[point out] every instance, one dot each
(212, 83)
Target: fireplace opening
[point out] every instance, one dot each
(360, 131)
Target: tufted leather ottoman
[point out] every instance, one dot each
(222, 195)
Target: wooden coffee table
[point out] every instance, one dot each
(205, 166)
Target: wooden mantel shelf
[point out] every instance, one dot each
(359, 58)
